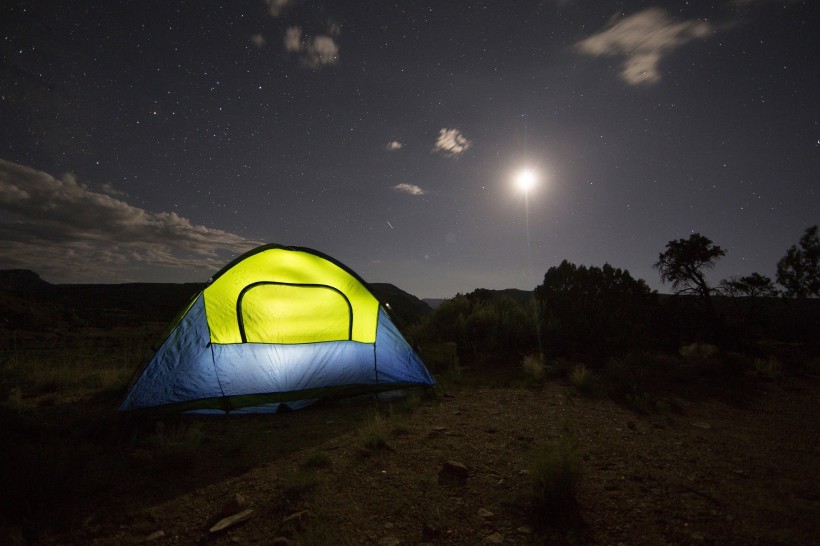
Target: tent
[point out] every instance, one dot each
(279, 327)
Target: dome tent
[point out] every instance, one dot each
(278, 325)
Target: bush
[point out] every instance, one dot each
(177, 447)
(698, 351)
(534, 368)
(555, 475)
(581, 377)
(594, 310)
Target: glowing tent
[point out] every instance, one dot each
(278, 325)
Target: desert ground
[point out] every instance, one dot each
(648, 449)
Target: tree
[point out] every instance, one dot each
(752, 286)
(594, 310)
(683, 264)
(799, 270)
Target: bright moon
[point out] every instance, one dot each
(526, 179)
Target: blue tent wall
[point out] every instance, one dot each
(190, 372)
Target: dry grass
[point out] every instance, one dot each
(581, 377)
(534, 368)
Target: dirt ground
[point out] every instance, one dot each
(708, 469)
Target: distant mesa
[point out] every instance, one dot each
(21, 280)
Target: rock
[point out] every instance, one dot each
(525, 530)
(430, 531)
(297, 519)
(453, 472)
(389, 541)
(495, 538)
(234, 505)
(439, 428)
(230, 521)
(704, 426)
(155, 535)
(484, 513)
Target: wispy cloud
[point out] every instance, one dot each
(451, 142)
(64, 230)
(412, 189)
(276, 7)
(394, 145)
(293, 39)
(258, 40)
(644, 39)
(314, 52)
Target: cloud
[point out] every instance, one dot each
(314, 52)
(321, 51)
(258, 40)
(394, 145)
(276, 7)
(293, 39)
(644, 39)
(412, 189)
(451, 142)
(62, 229)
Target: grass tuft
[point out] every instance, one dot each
(555, 473)
(177, 447)
(375, 433)
(581, 377)
(318, 459)
(534, 368)
(698, 351)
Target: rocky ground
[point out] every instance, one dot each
(741, 469)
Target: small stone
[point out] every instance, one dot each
(297, 519)
(234, 505)
(230, 521)
(484, 513)
(388, 525)
(453, 472)
(495, 538)
(439, 428)
(430, 531)
(155, 535)
(704, 426)
(525, 530)
(389, 541)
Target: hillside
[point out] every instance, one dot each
(27, 300)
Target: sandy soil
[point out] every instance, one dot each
(707, 470)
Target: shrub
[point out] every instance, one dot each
(581, 377)
(534, 368)
(14, 399)
(375, 433)
(177, 447)
(698, 351)
(318, 459)
(769, 367)
(555, 474)
(595, 310)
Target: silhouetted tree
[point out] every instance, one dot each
(753, 286)
(481, 324)
(683, 264)
(593, 310)
(750, 312)
(799, 270)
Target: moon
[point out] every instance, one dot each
(526, 179)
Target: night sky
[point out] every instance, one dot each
(157, 140)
